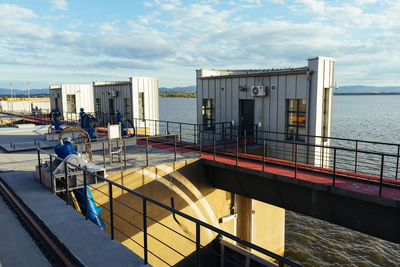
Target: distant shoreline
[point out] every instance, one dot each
(382, 93)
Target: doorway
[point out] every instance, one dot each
(246, 117)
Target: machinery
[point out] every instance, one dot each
(119, 119)
(54, 175)
(55, 117)
(87, 123)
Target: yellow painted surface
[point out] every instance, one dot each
(269, 227)
(183, 182)
(143, 131)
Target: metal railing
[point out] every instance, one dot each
(199, 251)
(377, 168)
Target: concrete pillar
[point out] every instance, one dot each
(244, 218)
(261, 224)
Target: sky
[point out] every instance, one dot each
(78, 41)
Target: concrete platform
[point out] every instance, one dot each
(16, 246)
(84, 239)
(25, 146)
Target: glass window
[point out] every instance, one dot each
(141, 106)
(208, 113)
(71, 104)
(296, 119)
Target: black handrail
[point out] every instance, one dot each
(198, 223)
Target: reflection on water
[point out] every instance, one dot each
(313, 242)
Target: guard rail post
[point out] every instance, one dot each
(110, 192)
(263, 163)
(334, 167)
(145, 231)
(197, 244)
(356, 157)
(66, 181)
(381, 177)
(86, 195)
(39, 167)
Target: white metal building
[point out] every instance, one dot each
(137, 99)
(69, 98)
(293, 101)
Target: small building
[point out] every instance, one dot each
(289, 104)
(69, 98)
(137, 100)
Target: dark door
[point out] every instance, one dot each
(111, 108)
(246, 116)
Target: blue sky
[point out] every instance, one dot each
(67, 41)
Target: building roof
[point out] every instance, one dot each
(217, 74)
(106, 83)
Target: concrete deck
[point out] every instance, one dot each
(84, 239)
(16, 246)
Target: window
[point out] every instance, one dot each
(296, 119)
(71, 104)
(127, 107)
(141, 106)
(325, 112)
(98, 106)
(207, 111)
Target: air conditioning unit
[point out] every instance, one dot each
(258, 91)
(113, 93)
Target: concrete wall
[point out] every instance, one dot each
(25, 106)
(192, 194)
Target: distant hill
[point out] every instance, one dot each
(360, 89)
(191, 88)
(6, 92)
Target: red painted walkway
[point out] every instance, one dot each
(357, 182)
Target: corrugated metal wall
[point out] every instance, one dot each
(108, 92)
(270, 110)
(130, 90)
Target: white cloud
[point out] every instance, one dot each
(59, 4)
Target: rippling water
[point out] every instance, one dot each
(312, 242)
